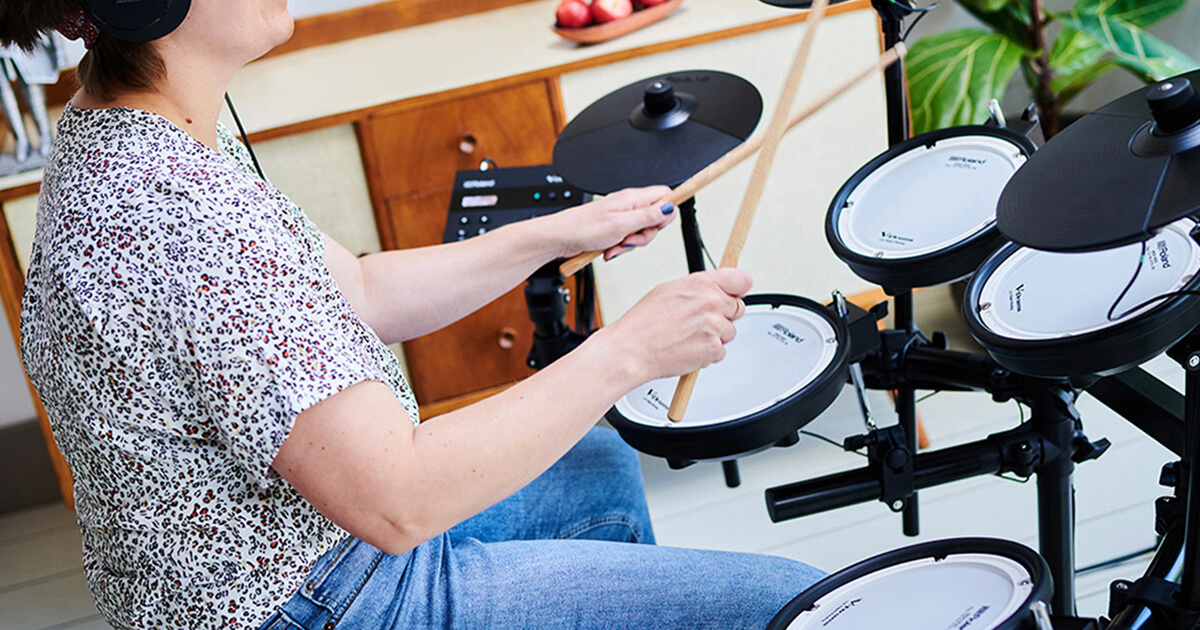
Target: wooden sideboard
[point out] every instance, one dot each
(409, 140)
(411, 155)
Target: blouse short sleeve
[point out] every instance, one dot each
(265, 328)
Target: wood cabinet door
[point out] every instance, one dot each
(411, 157)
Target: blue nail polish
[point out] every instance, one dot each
(628, 246)
(667, 208)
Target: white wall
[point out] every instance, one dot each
(305, 8)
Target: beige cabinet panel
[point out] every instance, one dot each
(786, 250)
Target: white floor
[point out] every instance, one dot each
(42, 585)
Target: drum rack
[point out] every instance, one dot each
(1048, 445)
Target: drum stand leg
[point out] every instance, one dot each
(891, 21)
(1057, 420)
(906, 411)
(693, 247)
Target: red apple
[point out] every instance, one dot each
(609, 10)
(573, 14)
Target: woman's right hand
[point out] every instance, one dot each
(680, 326)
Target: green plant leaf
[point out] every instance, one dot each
(1009, 18)
(953, 75)
(1073, 50)
(990, 6)
(1077, 59)
(1069, 86)
(1143, 13)
(1133, 48)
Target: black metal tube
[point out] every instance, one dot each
(906, 412)
(1054, 418)
(891, 23)
(733, 477)
(1146, 402)
(934, 368)
(693, 246)
(859, 486)
(1190, 583)
(1167, 564)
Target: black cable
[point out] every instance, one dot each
(245, 139)
(1157, 298)
(707, 255)
(1013, 479)
(1125, 291)
(829, 441)
(1137, 272)
(917, 20)
(929, 395)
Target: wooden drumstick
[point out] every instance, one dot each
(758, 182)
(738, 154)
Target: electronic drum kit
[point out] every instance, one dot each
(1082, 260)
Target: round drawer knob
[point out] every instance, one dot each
(467, 144)
(507, 338)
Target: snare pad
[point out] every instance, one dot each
(785, 366)
(777, 352)
(1036, 295)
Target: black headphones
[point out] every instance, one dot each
(136, 20)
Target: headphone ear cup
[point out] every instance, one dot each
(136, 20)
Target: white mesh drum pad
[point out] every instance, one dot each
(1042, 295)
(960, 592)
(777, 352)
(928, 198)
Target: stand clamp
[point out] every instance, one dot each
(1156, 594)
(891, 461)
(546, 300)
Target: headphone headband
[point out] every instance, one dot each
(136, 20)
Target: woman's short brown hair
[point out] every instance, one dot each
(110, 68)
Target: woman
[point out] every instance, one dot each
(246, 451)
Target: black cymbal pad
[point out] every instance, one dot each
(661, 130)
(795, 4)
(1112, 178)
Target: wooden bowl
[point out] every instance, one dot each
(612, 30)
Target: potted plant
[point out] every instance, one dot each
(953, 75)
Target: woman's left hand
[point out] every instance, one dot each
(618, 222)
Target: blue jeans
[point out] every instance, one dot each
(567, 551)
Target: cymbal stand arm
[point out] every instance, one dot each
(856, 373)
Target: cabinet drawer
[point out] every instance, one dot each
(418, 149)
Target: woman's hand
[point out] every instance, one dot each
(615, 224)
(680, 326)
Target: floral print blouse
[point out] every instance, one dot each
(178, 316)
